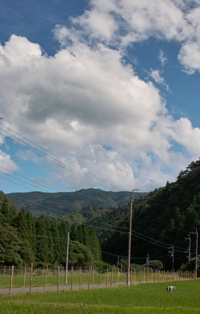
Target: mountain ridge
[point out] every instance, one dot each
(61, 203)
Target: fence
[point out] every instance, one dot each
(27, 277)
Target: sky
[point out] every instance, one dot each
(98, 94)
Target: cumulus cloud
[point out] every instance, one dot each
(7, 165)
(189, 56)
(162, 58)
(86, 101)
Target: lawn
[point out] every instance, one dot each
(141, 298)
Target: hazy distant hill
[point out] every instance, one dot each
(57, 204)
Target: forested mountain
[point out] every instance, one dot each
(57, 204)
(26, 239)
(165, 217)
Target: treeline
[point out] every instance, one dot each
(26, 239)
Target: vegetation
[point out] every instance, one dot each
(161, 218)
(165, 217)
(25, 239)
(141, 299)
(57, 204)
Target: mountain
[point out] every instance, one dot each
(59, 204)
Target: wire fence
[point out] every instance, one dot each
(78, 278)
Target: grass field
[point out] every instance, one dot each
(141, 298)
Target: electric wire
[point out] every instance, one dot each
(118, 230)
(54, 158)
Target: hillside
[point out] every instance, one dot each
(58, 204)
(165, 217)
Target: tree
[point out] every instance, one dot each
(10, 244)
(80, 255)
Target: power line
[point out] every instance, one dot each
(117, 229)
(53, 157)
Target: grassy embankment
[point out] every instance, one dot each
(141, 298)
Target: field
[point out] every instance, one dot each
(141, 298)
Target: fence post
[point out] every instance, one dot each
(92, 274)
(134, 276)
(72, 268)
(117, 277)
(80, 277)
(11, 279)
(58, 279)
(89, 278)
(25, 276)
(107, 278)
(111, 278)
(31, 273)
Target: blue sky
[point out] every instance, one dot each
(99, 93)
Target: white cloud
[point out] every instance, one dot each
(85, 98)
(189, 56)
(97, 24)
(162, 58)
(155, 74)
(6, 164)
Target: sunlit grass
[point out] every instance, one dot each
(140, 298)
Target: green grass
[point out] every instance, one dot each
(141, 298)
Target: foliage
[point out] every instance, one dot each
(25, 239)
(156, 264)
(165, 217)
(57, 204)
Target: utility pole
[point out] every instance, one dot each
(67, 258)
(196, 258)
(129, 242)
(171, 254)
(189, 247)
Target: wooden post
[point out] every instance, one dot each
(25, 276)
(92, 274)
(117, 277)
(146, 270)
(107, 278)
(131, 274)
(89, 278)
(80, 277)
(45, 278)
(58, 279)
(111, 278)
(31, 274)
(72, 268)
(11, 279)
(134, 276)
